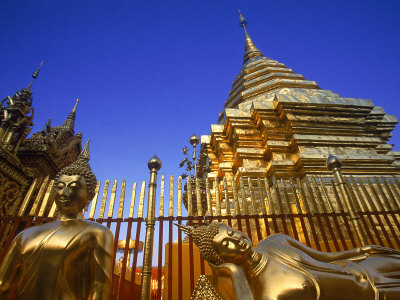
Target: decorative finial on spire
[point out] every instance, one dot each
(76, 104)
(85, 152)
(242, 20)
(250, 49)
(70, 121)
(35, 75)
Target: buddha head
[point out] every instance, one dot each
(75, 184)
(219, 243)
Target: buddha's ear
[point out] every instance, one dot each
(186, 229)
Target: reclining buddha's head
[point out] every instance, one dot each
(219, 243)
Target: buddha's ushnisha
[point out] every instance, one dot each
(69, 258)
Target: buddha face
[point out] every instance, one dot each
(232, 245)
(71, 193)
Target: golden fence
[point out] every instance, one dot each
(324, 213)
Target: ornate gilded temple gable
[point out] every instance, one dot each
(16, 120)
(26, 161)
(48, 151)
(275, 122)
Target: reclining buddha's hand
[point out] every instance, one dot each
(373, 249)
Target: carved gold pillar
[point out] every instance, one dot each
(154, 165)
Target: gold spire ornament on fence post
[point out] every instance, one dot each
(280, 267)
(69, 258)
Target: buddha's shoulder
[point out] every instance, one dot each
(40, 228)
(99, 233)
(276, 239)
(95, 227)
(36, 231)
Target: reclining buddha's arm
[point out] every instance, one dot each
(238, 287)
(333, 256)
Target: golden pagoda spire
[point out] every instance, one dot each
(70, 121)
(250, 49)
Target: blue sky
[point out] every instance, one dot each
(150, 73)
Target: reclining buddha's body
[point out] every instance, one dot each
(280, 267)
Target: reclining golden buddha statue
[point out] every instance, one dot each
(69, 258)
(280, 267)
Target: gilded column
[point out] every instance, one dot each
(334, 164)
(154, 165)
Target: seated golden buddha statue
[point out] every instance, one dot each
(69, 258)
(280, 267)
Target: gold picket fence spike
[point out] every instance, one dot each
(162, 191)
(141, 199)
(94, 201)
(132, 205)
(104, 199)
(121, 200)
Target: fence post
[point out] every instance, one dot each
(154, 165)
(334, 164)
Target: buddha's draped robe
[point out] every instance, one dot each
(69, 260)
(294, 271)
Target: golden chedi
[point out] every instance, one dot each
(280, 267)
(70, 258)
(275, 122)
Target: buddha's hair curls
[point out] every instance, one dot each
(203, 237)
(81, 167)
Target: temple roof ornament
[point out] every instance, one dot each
(70, 121)
(251, 50)
(16, 115)
(58, 144)
(35, 75)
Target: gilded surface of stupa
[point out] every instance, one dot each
(277, 123)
